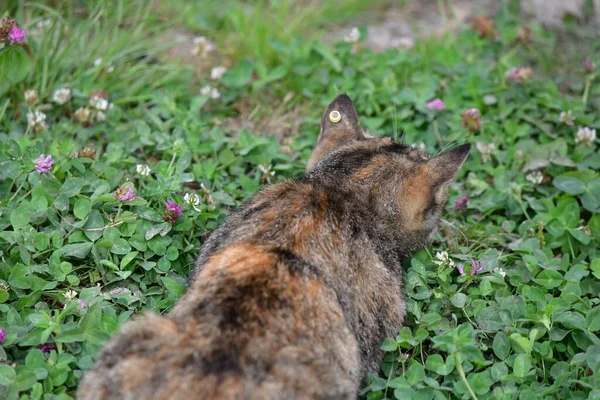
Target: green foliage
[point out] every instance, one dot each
(76, 262)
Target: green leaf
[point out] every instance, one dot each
(93, 226)
(120, 246)
(569, 184)
(19, 218)
(240, 75)
(328, 55)
(459, 300)
(592, 320)
(128, 258)
(415, 374)
(389, 344)
(82, 208)
(7, 375)
(521, 344)
(549, 279)
(522, 365)
(77, 250)
(501, 345)
(72, 186)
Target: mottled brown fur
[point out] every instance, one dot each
(293, 294)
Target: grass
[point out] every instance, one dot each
(76, 262)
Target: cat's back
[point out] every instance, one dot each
(258, 321)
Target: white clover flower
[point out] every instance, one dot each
(211, 92)
(217, 73)
(267, 173)
(566, 117)
(442, 258)
(61, 96)
(100, 116)
(36, 120)
(202, 46)
(31, 96)
(500, 271)
(70, 295)
(353, 36)
(99, 103)
(535, 177)
(486, 150)
(83, 115)
(192, 199)
(585, 135)
(142, 169)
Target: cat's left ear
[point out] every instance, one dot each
(443, 168)
(339, 126)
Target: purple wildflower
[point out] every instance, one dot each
(47, 348)
(588, 65)
(436, 104)
(462, 203)
(82, 303)
(2, 335)
(172, 211)
(16, 35)
(43, 164)
(125, 194)
(461, 269)
(476, 266)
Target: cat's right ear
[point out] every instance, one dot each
(339, 126)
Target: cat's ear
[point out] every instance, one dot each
(339, 126)
(443, 168)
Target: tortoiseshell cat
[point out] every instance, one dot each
(293, 294)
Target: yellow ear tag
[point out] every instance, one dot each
(335, 116)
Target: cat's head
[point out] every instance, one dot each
(402, 188)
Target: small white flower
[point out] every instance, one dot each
(110, 68)
(36, 120)
(83, 115)
(31, 96)
(217, 73)
(353, 36)
(566, 117)
(442, 258)
(210, 91)
(143, 169)
(202, 46)
(100, 116)
(70, 295)
(585, 135)
(61, 96)
(99, 103)
(486, 150)
(192, 199)
(267, 173)
(500, 271)
(535, 177)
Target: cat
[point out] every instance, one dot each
(293, 294)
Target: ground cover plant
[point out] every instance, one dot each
(115, 163)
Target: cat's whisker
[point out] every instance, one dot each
(454, 228)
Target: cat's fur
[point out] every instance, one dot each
(294, 293)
